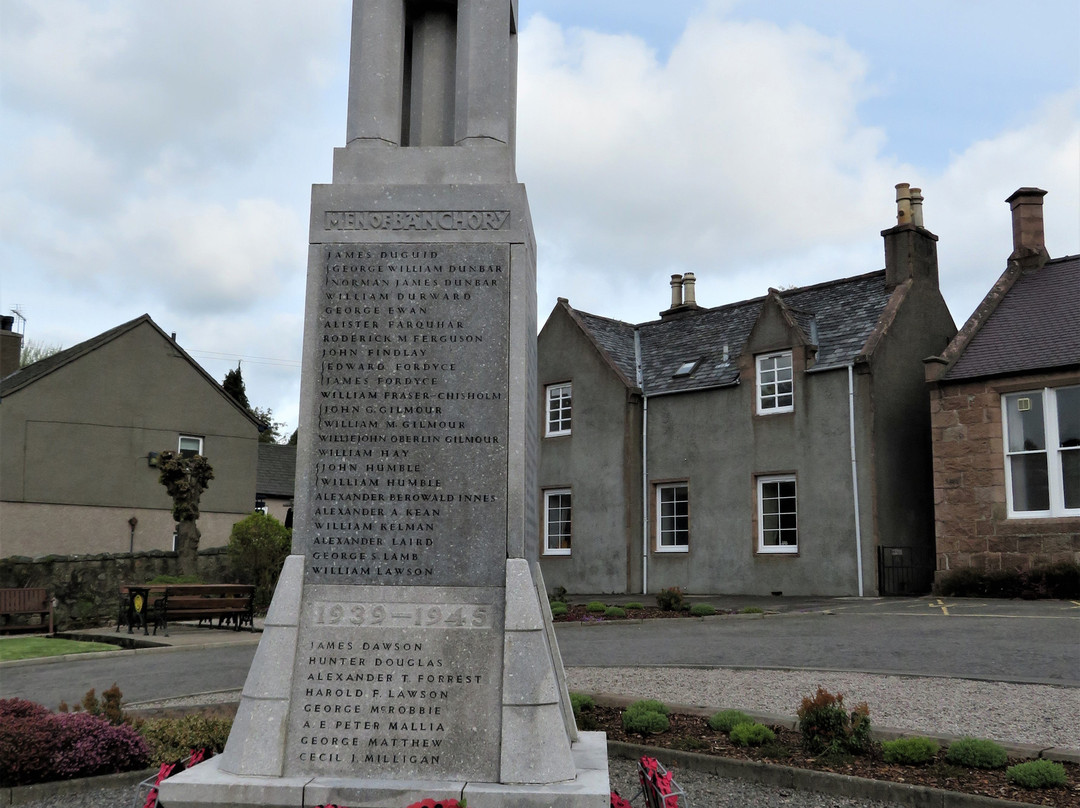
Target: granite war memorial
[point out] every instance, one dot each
(408, 652)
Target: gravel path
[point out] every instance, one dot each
(1016, 713)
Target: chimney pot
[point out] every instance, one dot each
(903, 203)
(916, 207)
(1029, 238)
(689, 295)
(676, 290)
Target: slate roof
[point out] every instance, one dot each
(275, 474)
(1034, 326)
(843, 313)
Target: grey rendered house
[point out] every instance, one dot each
(79, 434)
(774, 445)
(1005, 414)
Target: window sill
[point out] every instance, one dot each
(684, 549)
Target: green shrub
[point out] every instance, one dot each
(751, 734)
(646, 717)
(258, 546)
(581, 702)
(726, 720)
(558, 609)
(634, 605)
(558, 595)
(751, 610)
(911, 751)
(614, 611)
(1061, 580)
(670, 600)
(702, 609)
(827, 727)
(173, 738)
(595, 607)
(649, 704)
(1037, 774)
(976, 753)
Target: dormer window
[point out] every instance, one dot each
(775, 383)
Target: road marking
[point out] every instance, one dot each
(940, 605)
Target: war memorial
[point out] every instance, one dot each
(408, 652)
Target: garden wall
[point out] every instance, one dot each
(85, 588)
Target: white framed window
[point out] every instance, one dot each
(190, 446)
(1042, 452)
(557, 521)
(775, 383)
(558, 397)
(778, 520)
(673, 518)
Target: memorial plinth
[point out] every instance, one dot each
(408, 651)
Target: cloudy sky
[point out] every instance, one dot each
(157, 157)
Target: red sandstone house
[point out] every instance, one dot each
(1005, 414)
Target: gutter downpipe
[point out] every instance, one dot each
(854, 474)
(644, 464)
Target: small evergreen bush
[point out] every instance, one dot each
(751, 610)
(595, 607)
(558, 595)
(581, 702)
(670, 600)
(976, 753)
(558, 609)
(828, 728)
(726, 720)
(702, 609)
(752, 734)
(646, 717)
(910, 751)
(634, 605)
(1037, 774)
(173, 738)
(650, 704)
(614, 611)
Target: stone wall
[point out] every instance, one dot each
(86, 588)
(971, 513)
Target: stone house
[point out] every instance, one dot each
(80, 432)
(1005, 414)
(774, 445)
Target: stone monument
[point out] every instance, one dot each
(408, 652)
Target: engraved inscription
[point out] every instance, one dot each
(410, 455)
(415, 219)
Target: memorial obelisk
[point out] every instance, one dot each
(408, 652)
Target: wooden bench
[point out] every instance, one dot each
(227, 603)
(26, 601)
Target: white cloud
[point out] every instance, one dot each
(744, 146)
(208, 257)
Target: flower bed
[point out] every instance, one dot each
(692, 733)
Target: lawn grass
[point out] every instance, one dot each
(36, 647)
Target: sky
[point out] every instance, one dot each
(158, 157)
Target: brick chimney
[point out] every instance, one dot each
(910, 249)
(10, 347)
(1029, 240)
